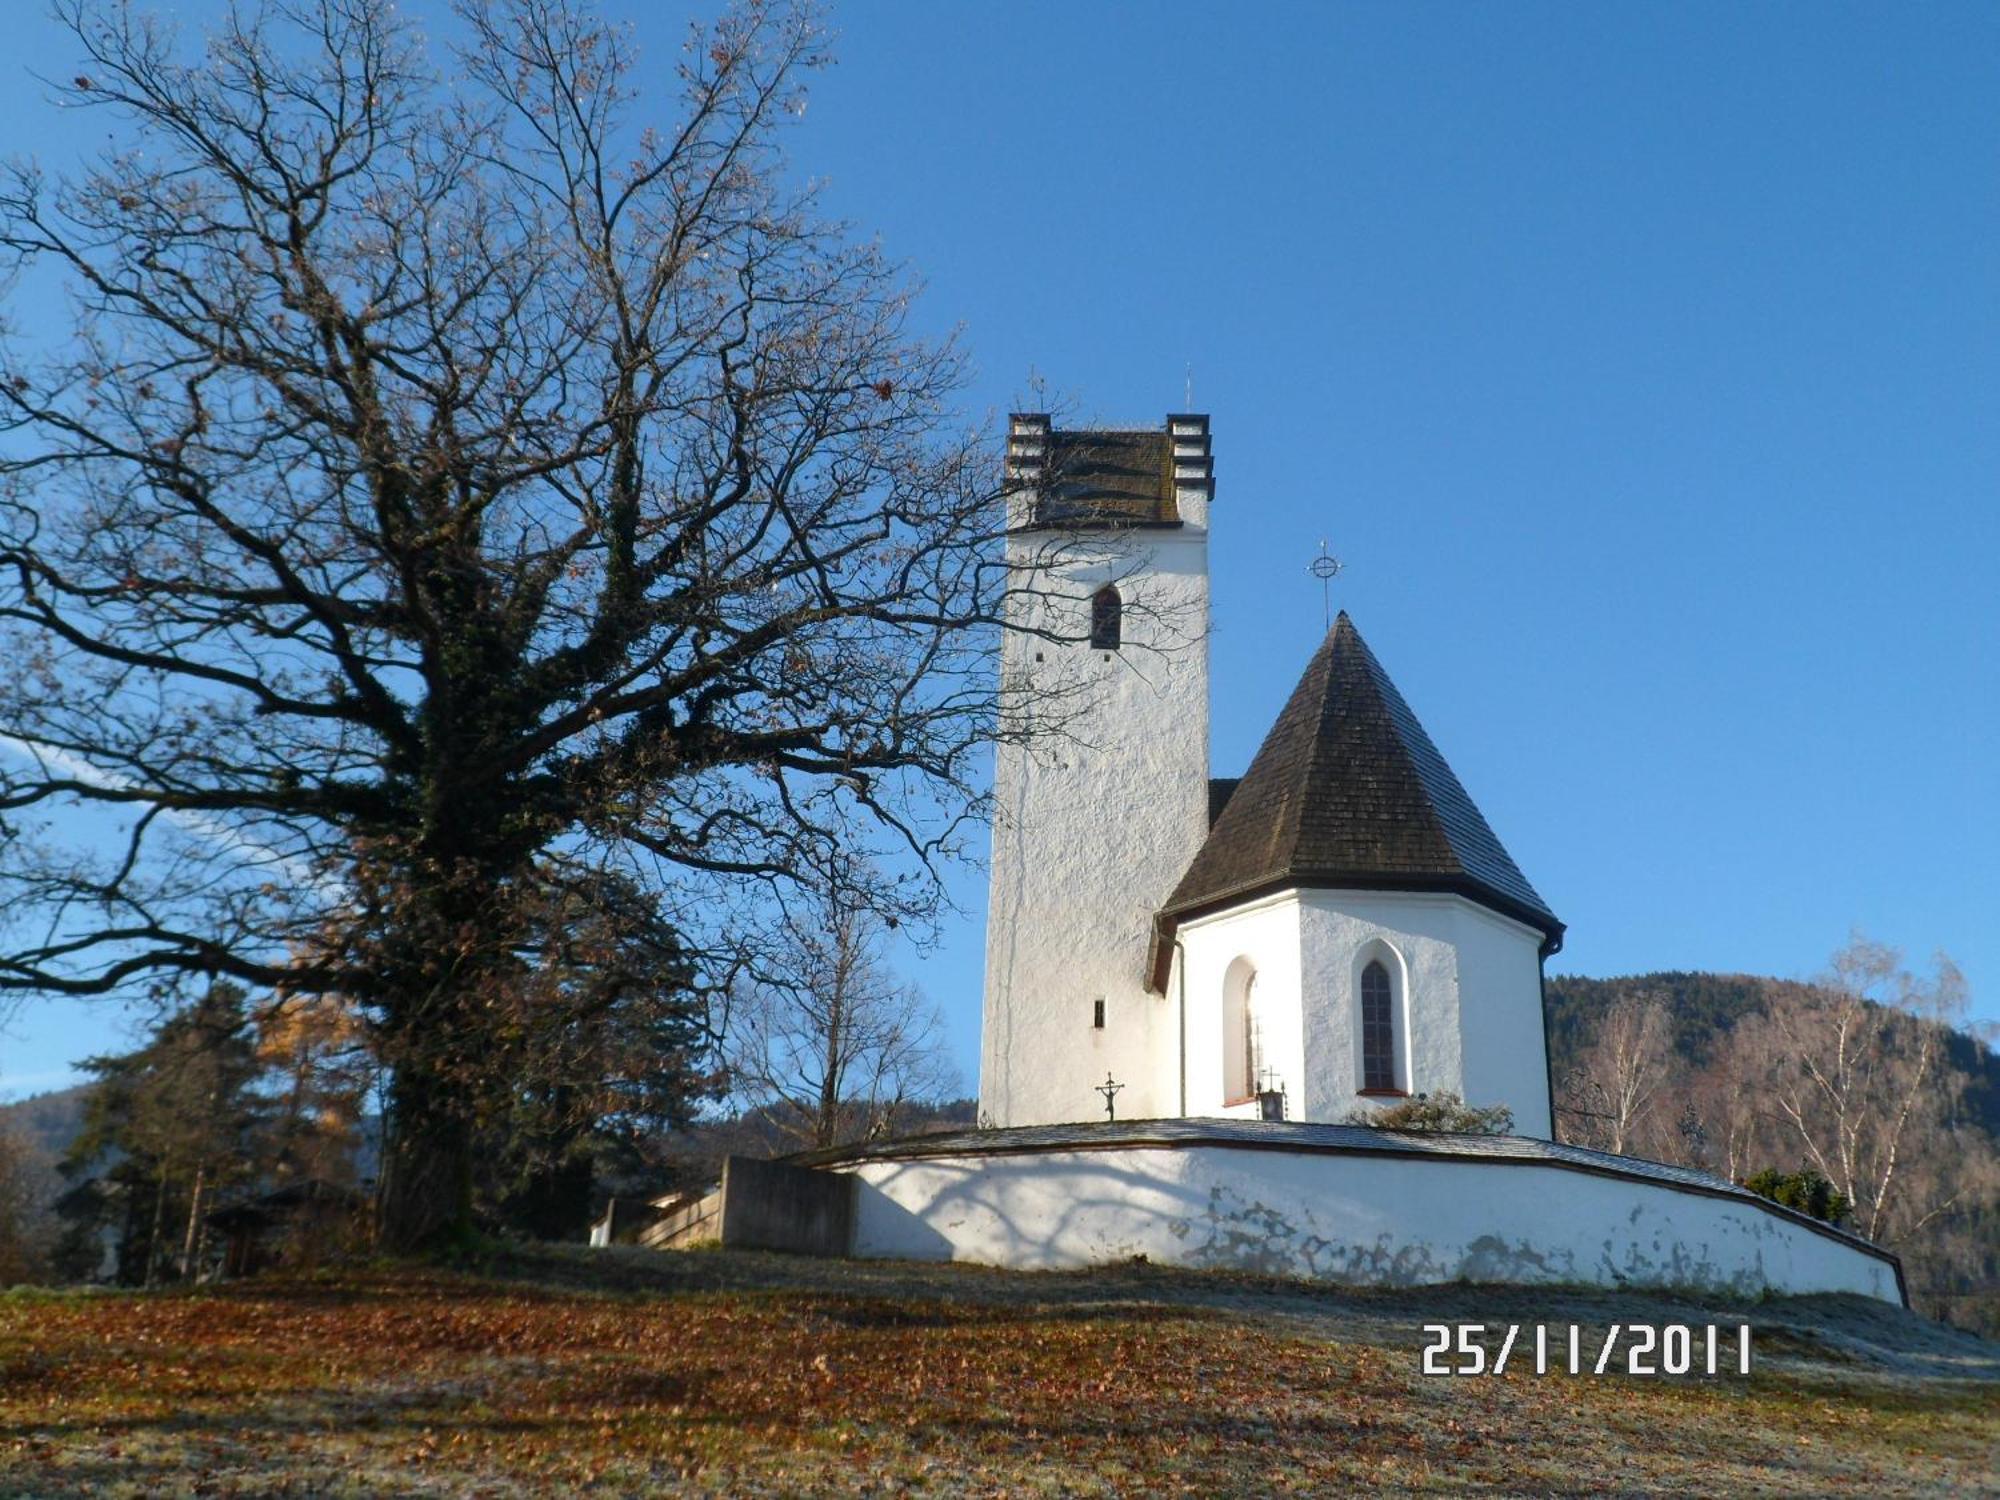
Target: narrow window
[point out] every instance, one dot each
(1097, 1014)
(1253, 1038)
(1378, 1031)
(1106, 619)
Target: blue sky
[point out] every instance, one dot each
(1640, 362)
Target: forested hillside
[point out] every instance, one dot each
(1870, 1080)
(1703, 1007)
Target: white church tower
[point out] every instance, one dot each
(1095, 824)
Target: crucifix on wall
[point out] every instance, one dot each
(1110, 1090)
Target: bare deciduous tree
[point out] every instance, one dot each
(1609, 1098)
(448, 495)
(827, 1043)
(1732, 1131)
(1853, 1074)
(23, 1214)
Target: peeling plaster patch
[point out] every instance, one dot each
(1253, 1236)
(1249, 1236)
(1490, 1258)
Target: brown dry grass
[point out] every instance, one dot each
(746, 1374)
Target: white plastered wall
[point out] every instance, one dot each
(1094, 826)
(1266, 933)
(1360, 1219)
(1468, 1000)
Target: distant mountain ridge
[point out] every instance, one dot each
(48, 1122)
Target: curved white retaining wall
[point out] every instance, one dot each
(1354, 1218)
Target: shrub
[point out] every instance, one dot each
(1442, 1113)
(1804, 1190)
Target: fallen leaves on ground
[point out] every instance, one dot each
(402, 1381)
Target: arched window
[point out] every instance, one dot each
(1107, 612)
(1378, 1029)
(1253, 1038)
(1242, 1034)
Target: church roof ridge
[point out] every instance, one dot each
(1348, 790)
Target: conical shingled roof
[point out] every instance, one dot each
(1347, 790)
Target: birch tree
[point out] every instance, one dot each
(1609, 1098)
(1853, 1075)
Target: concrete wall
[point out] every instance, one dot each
(690, 1219)
(1095, 824)
(772, 1205)
(1351, 1218)
(1468, 996)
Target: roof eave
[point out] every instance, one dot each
(1165, 921)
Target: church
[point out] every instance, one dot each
(1201, 990)
(1334, 931)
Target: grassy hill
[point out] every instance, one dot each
(724, 1372)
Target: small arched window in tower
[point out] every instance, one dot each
(1107, 612)
(1378, 1030)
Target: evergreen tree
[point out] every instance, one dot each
(1805, 1190)
(610, 1051)
(168, 1129)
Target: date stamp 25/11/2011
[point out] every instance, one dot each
(1636, 1349)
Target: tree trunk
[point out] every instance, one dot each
(448, 974)
(194, 1223)
(426, 1195)
(827, 1131)
(159, 1229)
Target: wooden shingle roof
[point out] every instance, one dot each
(1348, 791)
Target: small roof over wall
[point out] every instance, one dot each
(1348, 791)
